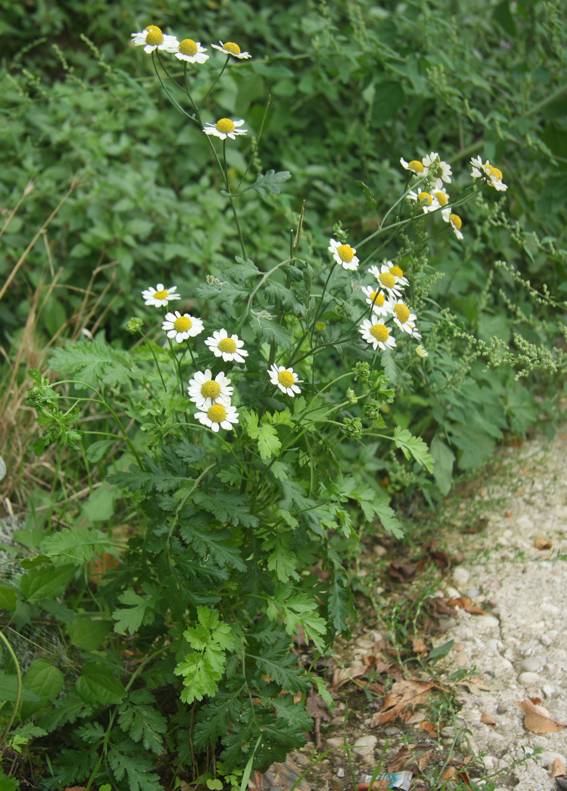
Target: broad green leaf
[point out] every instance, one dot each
(44, 679)
(8, 598)
(444, 459)
(99, 685)
(87, 632)
(46, 582)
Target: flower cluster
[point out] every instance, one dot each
(430, 193)
(152, 38)
(385, 298)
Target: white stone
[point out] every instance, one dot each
(364, 746)
(461, 575)
(340, 772)
(529, 679)
(533, 663)
(486, 622)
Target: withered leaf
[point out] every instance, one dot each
(488, 719)
(405, 694)
(538, 720)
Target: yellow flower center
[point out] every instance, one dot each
(346, 253)
(495, 172)
(182, 323)
(442, 199)
(163, 294)
(154, 36)
(377, 297)
(227, 345)
(225, 125)
(402, 312)
(188, 47)
(425, 197)
(387, 279)
(286, 378)
(397, 271)
(231, 47)
(380, 332)
(217, 413)
(456, 220)
(210, 389)
(416, 166)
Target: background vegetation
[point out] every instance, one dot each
(106, 189)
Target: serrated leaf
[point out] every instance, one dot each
(44, 679)
(269, 443)
(91, 362)
(143, 723)
(270, 183)
(129, 763)
(130, 618)
(413, 447)
(77, 545)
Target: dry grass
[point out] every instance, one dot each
(26, 351)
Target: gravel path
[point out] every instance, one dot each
(516, 569)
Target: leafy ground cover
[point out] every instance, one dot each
(179, 560)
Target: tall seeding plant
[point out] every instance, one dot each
(233, 453)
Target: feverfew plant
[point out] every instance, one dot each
(209, 570)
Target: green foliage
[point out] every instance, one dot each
(179, 569)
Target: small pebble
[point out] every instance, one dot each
(489, 762)
(533, 663)
(529, 679)
(461, 575)
(340, 772)
(549, 690)
(364, 746)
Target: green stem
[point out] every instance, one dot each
(19, 685)
(217, 78)
(231, 199)
(170, 96)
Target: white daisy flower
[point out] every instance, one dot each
(489, 173)
(218, 416)
(377, 334)
(205, 390)
(404, 318)
(179, 326)
(160, 295)
(230, 48)
(344, 254)
(388, 281)
(284, 378)
(454, 220)
(398, 273)
(415, 166)
(377, 299)
(191, 51)
(437, 168)
(225, 127)
(229, 347)
(152, 38)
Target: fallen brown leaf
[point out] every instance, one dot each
(405, 694)
(400, 760)
(425, 759)
(466, 603)
(558, 767)
(342, 675)
(428, 727)
(488, 719)
(418, 645)
(541, 542)
(538, 720)
(377, 785)
(449, 773)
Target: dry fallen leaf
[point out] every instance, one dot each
(424, 760)
(342, 675)
(538, 720)
(428, 727)
(403, 695)
(488, 719)
(418, 645)
(558, 767)
(466, 603)
(449, 773)
(541, 542)
(400, 760)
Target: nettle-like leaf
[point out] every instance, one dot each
(77, 545)
(269, 444)
(203, 668)
(413, 447)
(227, 507)
(213, 544)
(94, 362)
(142, 722)
(270, 182)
